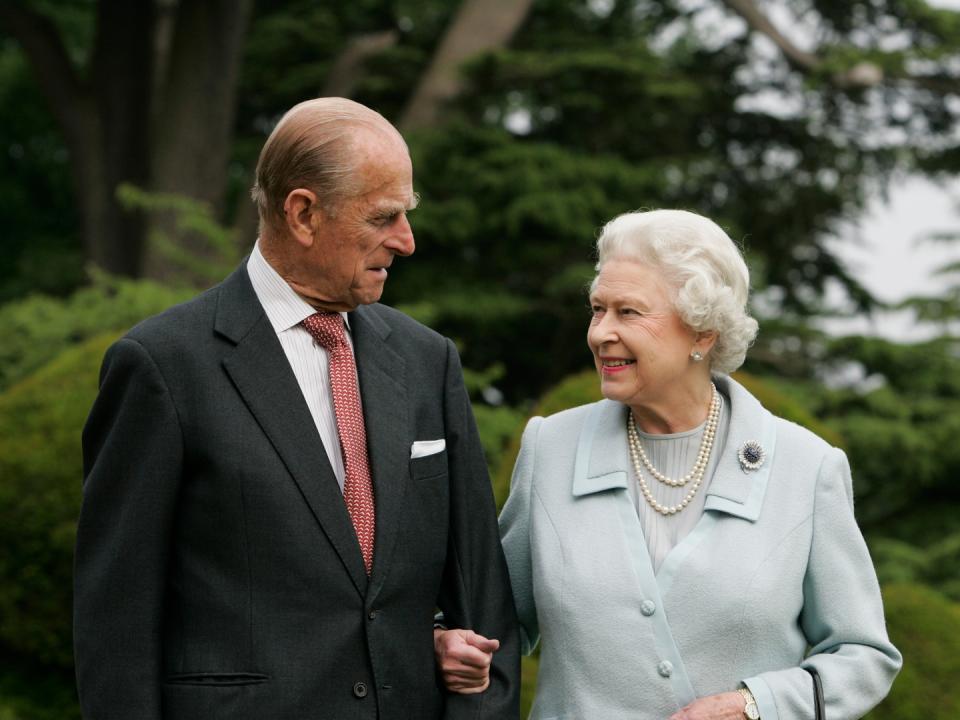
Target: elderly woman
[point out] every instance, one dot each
(682, 552)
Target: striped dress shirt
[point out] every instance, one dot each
(310, 363)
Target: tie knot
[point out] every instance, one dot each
(327, 329)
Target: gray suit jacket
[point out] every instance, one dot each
(217, 571)
(774, 576)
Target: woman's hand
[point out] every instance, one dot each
(725, 706)
(464, 659)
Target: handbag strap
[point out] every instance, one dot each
(821, 713)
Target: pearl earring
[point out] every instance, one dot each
(696, 356)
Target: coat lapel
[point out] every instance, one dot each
(382, 375)
(262, 375)
(603, 463)
(602, 450)
(732, 489)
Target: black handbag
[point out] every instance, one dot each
(817, 693)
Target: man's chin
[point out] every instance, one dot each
(367, 296)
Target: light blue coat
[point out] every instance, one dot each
(775, 565)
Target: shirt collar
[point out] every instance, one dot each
(284, 308)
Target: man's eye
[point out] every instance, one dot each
(384, 220)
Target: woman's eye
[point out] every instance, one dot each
(628, 311)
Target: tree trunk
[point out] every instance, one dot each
(194, 119)
(121, 66)
(479, 26)
(103, 120)
(156, 111)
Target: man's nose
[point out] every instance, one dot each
(401, 240)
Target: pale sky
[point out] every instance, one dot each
(885, 250)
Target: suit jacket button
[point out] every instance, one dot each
(648, 607)
(372, 614)
(360, 690)
(665, 668)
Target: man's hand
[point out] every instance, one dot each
(725, 706)
(464, 659)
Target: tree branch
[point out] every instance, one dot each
(479, 26)
(863, 74)
(757, 21)
(347, 69)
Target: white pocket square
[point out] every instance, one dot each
(422, 448)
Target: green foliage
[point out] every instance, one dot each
(925, 627)
(498, 426)
(212, 253)
(41, 241)
(944, 307)
(516, 221)
(529, 666)
(782, 405)
(571, 392)
(38, 328)
(40, 422)
(936, 565)
(28, 692)
(899, 426)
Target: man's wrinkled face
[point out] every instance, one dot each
(355, 245)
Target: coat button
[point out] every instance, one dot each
(648, 607)
(372, 614)
(665, 668)
(360, 690)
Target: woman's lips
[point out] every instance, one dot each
(612, 366)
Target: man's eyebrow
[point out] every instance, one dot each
(394, 207)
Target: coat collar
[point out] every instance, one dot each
(603, 462)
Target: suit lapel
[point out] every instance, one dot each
(382, 375)
(261, 373)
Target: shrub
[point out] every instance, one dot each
(925, 626)
(38, 328)
(497, 426)
(28, 692)
(40, 488)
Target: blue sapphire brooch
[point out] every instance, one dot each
(751, 455)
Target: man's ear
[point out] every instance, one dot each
(299, 210)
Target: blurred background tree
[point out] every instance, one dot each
(128, 137)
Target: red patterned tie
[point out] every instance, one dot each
(327, 330)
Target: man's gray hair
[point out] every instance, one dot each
(704, 268)
(313, 147)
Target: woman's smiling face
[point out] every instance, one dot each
(640, 345)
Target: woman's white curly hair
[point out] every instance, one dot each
(702, 265)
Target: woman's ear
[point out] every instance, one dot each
(703, 342)
(299, 210)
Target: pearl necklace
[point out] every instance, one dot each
(695, 476)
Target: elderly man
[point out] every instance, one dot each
(283, 479)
